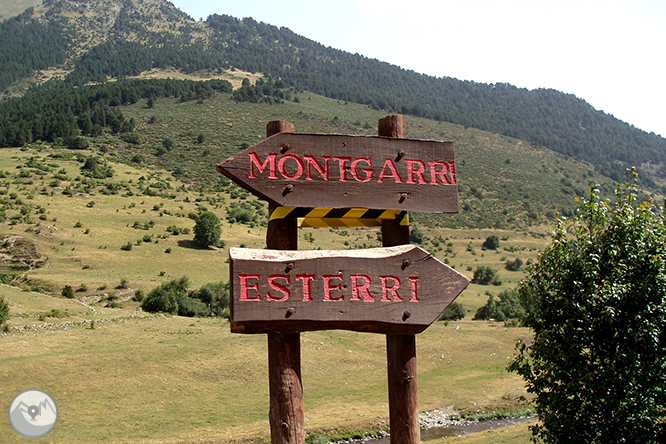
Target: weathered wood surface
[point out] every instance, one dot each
(340, 171)
(286, 415)
(403, 389)
(391, 126)
(395, 290)
(400, 348)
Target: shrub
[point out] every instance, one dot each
(188, 306)
(8, 278)
(78, 143)
(241, 213)
(514, 265)
(54, 313)
(134, 138)
(173, 297)
(595, 302)
(138, 158)
(161, 299)
(169, 143)
(486, 276)
(139, 295)
(216, 296)
(177, 230)
(491, 243)
(453, 312)
(92, 167)
(416, 236)
(127, 246)
(506, 306)
(68, 292)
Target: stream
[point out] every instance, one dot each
(456, 428)
(468, 427)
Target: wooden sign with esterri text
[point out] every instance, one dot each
(393, 290)
(338, 171)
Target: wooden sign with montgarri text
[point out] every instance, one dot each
(392, 290)
(338, 171)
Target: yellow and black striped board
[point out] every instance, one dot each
(339, 217)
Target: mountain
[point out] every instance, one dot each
(98, 40)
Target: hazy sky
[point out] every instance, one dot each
(611, 53)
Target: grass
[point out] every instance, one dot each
(174, 379)
(504, 182)
(82, 234)
(235, 77)
(119, 374)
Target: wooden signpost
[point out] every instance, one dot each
(334, 171)
(398, 290)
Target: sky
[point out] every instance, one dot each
(610, 53)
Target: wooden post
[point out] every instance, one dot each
(400, 349)
(284, 350)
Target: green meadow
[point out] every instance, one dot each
(121, 375)
(133, 377)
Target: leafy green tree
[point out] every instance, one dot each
(486, 276)
(216, 296)
(416, 236)
(491, 243)
(453, 312)
(596, 301)
(506, 306)
(207, 229)
(165, 298)
(77, 143)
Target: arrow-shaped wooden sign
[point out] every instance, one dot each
(393, 290)
(337, 171)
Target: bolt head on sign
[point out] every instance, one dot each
(392, 290)
(339, 171)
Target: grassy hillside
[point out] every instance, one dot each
(80, 223)
(504, 182)
(174, 379)
(10, 8)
